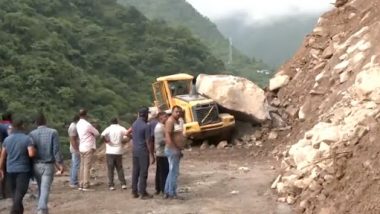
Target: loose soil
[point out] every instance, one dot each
(210, 181)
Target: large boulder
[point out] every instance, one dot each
(238, 95)
(278, 81)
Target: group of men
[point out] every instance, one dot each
(24, 157)
(38, 154)
(159, 140)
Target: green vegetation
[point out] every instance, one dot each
(60, 55)
(181, 13)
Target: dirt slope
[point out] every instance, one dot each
(331, 163)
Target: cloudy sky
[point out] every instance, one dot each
(259, 10)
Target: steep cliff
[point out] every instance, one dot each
(331, 102)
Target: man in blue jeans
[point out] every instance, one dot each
(46, 141)
(174, 144)
(74, 150)
(17, 151)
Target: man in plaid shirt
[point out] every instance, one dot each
(46, 141)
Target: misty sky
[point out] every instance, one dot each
(259, 10)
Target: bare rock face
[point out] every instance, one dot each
(236, 94)
(332, 103)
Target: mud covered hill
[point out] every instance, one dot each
(330, 96)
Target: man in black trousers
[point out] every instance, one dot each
(162, 168)
(142, 149)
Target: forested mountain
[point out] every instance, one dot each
(60, 55)
(274, 41)
(181, 13)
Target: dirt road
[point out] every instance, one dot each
(212, 181)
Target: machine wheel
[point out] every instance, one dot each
(225, 135)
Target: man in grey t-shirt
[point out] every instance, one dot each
(162, 168)
(16, 154)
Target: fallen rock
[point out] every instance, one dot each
(274, 184)
(282, 188)
(303, 154)
(259, 143)
(245, 100)
(272, 135)
(328, 52)
(328, 178)
(290, 200)
(315, 186)
(325, 132)
(339, 68)
(303, 204)
(276, 120)
(314, 53)
(368, 81)
(243, 169)
(301, 114)
(303, 183)
(275, 102)
(278, 81)
(317, 92)
(320, 76)
(204, 145)
(222, 145)
(343, 77)
(238, 143)
(358, 57)
(319, 66)
(184, 189)
(234, 192)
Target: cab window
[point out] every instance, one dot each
(180, 87)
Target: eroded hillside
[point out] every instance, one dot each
(330, 98)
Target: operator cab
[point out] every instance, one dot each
(180, 87)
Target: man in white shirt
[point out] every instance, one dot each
(87, 144)
(113, 136)
(162, 167)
